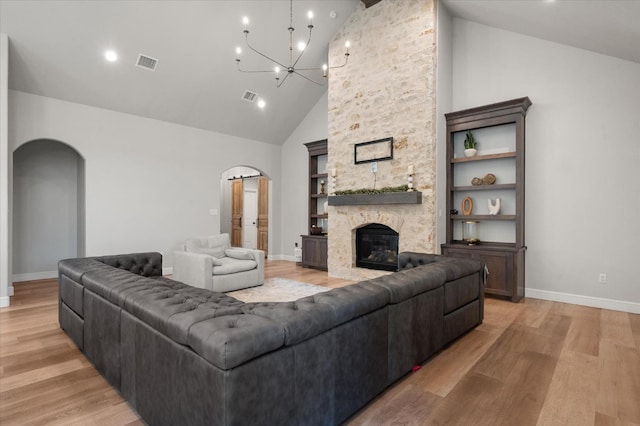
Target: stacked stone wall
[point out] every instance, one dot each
(386, 90)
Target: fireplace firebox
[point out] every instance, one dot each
(377, 247)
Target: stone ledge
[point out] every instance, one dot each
(414, 197)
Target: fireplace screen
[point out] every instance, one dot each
(377, 247)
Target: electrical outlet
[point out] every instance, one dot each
(374, 167)
(602, 278)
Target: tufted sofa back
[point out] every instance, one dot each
(144, 264)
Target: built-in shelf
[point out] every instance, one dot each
(319, 195)
(413, 197)
(484, 157)
(485, 187)
(484, 217)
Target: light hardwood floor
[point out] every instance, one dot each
(531, 363)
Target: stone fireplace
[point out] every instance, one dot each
(377, 247)
(386, 90)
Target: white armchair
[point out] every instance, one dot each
(211, 263)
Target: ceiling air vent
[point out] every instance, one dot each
(147, 62)
(249, 96)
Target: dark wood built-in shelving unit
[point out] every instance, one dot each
(314, 247)
(504, 260)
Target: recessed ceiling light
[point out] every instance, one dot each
(111, 55)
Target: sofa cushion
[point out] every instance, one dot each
(231, 340)
(229, 265)
(214, 245)
(239, 253)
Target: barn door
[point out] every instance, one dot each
(263, 214)
(237, 196)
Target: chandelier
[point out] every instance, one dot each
(282, 71)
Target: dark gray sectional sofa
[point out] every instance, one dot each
(183, 355)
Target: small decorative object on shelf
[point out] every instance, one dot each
(467, 206)
(470, 145)
(453, 211)
(489, 179)
(476, 181)
(315, 230)
(494, 207)
(470, 232)
(410, 178)
(322, 187)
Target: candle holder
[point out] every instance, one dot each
(322, 187)
(410, 178)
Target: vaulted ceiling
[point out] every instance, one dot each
(57, 47)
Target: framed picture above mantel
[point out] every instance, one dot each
(378, 150)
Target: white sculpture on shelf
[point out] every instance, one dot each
(494, 207)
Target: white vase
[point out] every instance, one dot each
(471, 152)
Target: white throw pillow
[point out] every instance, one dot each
(239, 253)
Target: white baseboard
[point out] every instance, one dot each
(167, 271)
(10, 290)
(35, 276)
(577, 299)
(4, 302)
(282, 257)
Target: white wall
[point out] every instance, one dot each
(295, 168)
(46, 179)
(444, 93)
(583, 152)
(5, 177)
(149, 184)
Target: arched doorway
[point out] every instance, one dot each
(48, 208)
(244, 204)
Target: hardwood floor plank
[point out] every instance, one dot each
(408, 406)
(525, 389)
(584, 333)
(443, 372)
(573, 390)
(619, 391)
(526, 358)
(474, 401)
(634, 320)
(616, 327)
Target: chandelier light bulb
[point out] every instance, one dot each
(310, 16)
(301, 45)
(324, 70)
(277, 70)
(347, 45)
(245, 21)
(238, 51)
(261, 103)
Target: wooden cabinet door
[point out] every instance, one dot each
(237, 195)
(314, 252)
(503, 269)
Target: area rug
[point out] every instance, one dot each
(277, 290)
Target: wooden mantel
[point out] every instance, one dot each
(413, 197)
